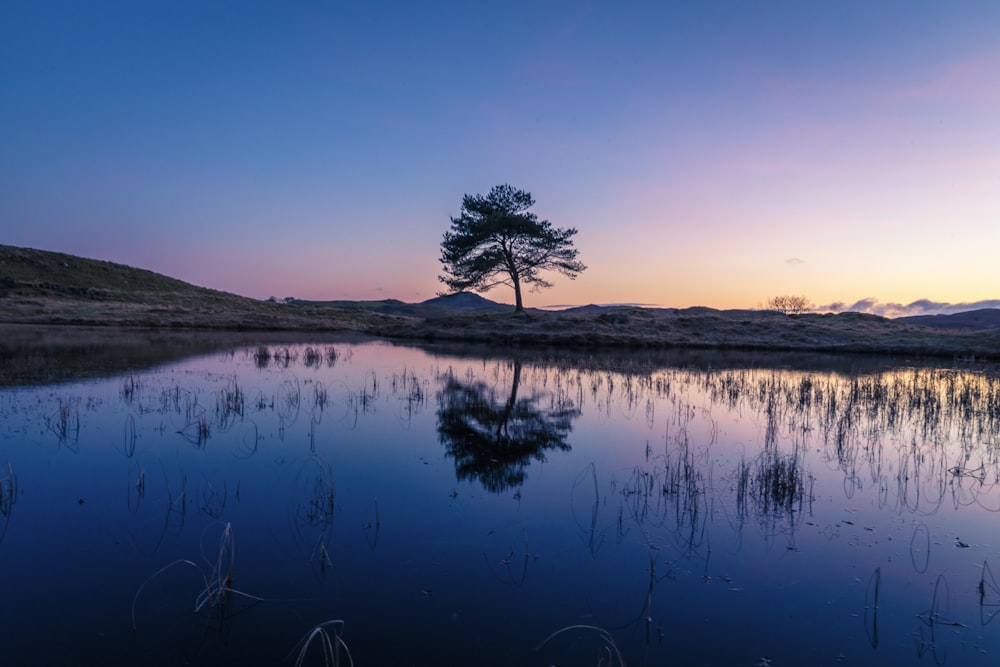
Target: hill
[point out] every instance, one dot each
(38, 287)
(971, 320)
(27, 271)
(42, 287)
(466, 302)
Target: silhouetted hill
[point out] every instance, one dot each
(468, 302)
(972, 320)
(42, 287)
(30, 271)
(463, 302)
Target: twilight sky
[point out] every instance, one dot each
(710, 153)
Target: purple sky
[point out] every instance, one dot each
(709, 153)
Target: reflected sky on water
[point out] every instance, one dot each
(501, 509)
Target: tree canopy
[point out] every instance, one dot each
(497, 241)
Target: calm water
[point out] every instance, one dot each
(489, 509)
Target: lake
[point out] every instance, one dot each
(177, 501)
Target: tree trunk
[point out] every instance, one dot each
(508, 409)
(518, 304)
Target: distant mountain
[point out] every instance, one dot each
(463, 302)
(589, 308)
(467, 302)
(972, 320)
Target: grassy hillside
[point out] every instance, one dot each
(38, 287)
(981, 319)
(706, 328)
(25, 271)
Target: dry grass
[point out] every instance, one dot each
(37, 287)
(703, 328)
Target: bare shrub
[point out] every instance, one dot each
(789, 304)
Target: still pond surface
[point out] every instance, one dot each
(401, 506)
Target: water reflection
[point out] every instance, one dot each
(689, 510)
(8, 497)
(494, 437)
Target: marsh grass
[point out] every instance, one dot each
(669, 493)
(249, 441)
(412, 392)
(217, 592)
(584, 485)
(284, 357)
(871, 606)
(230, 404)
(363, 400)
(212, 498)
(988, 589)
(315, 508)
(773, 487)
(312, 358)
(933, 619)
(136, 488)
(197, 431)
(129, 436)
(65, 423)
(512, 571)
(920, 548)
(321, 397)
(330, 645)
(8, 497)
(321, 502)
(372, 526)
(288, 402)
(8, 490)
(607, 651)
(129, 389)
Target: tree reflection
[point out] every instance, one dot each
(494, 439)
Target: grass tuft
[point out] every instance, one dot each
(330, 645)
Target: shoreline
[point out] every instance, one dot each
(618, 328)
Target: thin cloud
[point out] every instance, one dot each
(794, 261)
(873, 306)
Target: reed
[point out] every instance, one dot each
(217, 590)
(128, 444)
(197, 431)
(262, 357)
(607, 654)
(988, 587)
(321, 397)
(330, 645)
(289, 401)
(129, 389)
(182, 561)
(312, 358)
(592, 536)
(230, 404)
(65, 423)
(871, 606)
(8, 497)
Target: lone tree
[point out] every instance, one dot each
(496, 241)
